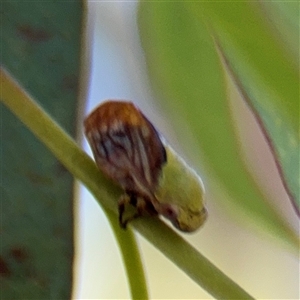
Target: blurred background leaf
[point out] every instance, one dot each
(40, 43)
(267, 73)
(282, 18)
(187, 75)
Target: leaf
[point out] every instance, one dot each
(185, 71)
(268, 77)
(40, 44)
(283, 20)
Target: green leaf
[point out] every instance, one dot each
(268, 78)
(283, 20)
(40, 45)
(185, 71)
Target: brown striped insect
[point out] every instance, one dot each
(129, 150)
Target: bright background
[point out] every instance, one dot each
(118, 71)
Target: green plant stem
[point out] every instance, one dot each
(132, 261)
(186, 257)
(82, 167)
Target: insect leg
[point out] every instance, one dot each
(123, 201)
(145, 207)
(142, 207)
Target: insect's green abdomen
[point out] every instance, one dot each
(181, 187)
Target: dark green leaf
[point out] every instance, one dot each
(40, 43)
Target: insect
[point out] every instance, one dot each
(156, 181)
